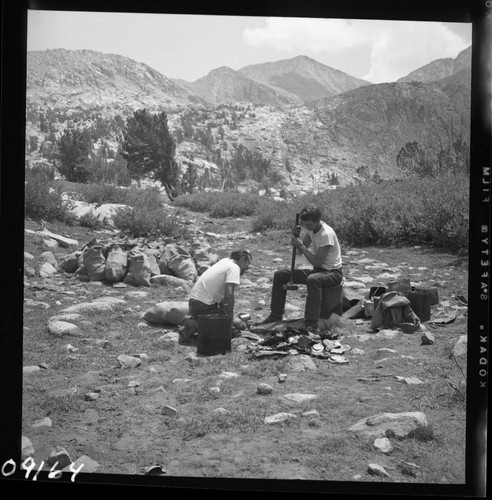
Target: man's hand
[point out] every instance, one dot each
(296, 231)
(296, 242)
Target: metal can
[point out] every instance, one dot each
(245, 317)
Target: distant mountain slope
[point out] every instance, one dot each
(86, 78)
(304, 77)
(374, 122)
(224, 85)
(440, 68)
(309, 121)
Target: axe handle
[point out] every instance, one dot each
(294, 251)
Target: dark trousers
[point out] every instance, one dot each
(316, 280)
(198, 308)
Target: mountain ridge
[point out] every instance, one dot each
(307, 136)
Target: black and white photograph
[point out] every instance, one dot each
(253, 247)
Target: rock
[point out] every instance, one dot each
(169, 411)
(383, 445)
(311, 413)
(301, 363)
(427, 338)
(228, 375)
(50, 243)
(36, 304)
(282, 377)
(29, 271)
(409, 380)
(460, 348)
(63, 393)
(91, 396)
(96, 306)
(181, 380)
(60, 455)
(169, 281)
(386, 334)
(27, 448)
(299, 397)
(90, 416)
(136, 294)
(47, 270)
(221, 411)
(129, 361)
(62, 240)
(66, 317)
(169, 337)
(338, 359)
(399, 424)
(106, 212)
(264, 389)
(279, 417)
(377, 470)
(84, 464)
(43, 422)
(29, 370)
(50, 258)
(109, 299)
(384, 351)
(60, 328)
(357, 351)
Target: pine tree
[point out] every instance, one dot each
(149, 149)
(74, 148)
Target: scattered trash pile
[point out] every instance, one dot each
(293, 341)
(138, 263)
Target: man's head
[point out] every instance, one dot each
(310, 217)
(243, 259)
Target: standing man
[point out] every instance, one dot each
(318, 242)
(213, 292)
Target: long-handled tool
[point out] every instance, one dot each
(290, 285)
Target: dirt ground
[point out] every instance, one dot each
(202, 417)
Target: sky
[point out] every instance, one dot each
(188, 46)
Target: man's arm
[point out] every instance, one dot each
(315, 259)
(306, 241)
(228, 301)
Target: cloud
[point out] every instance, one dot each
(294, 34)
(396, 47)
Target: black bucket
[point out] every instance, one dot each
(214, 335)
(420, 302)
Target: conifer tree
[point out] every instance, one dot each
(149, 149)
(74, 148)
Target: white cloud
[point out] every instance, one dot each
(294, 34)
(396, 47)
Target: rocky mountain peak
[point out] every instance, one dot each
(303, 77)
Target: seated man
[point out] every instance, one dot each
(213, 292)
(318, 242)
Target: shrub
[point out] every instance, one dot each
(42, 201)
(220, 204)
(271, 214)
(91, 221)
(142, 222)
(100, 193)
(234, 205)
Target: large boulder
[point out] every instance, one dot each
(399, 424)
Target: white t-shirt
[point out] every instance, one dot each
(210, 286)
(325, 236)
